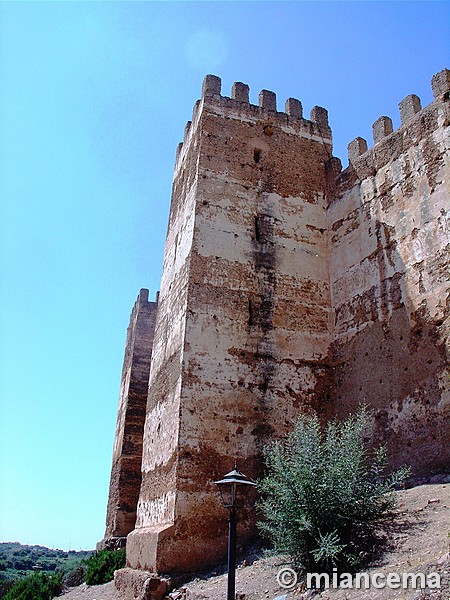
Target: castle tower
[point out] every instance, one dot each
(125, 480)
(243, 327)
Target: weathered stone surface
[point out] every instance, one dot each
(289, 286)
(125, 480)
(293, 108)
(240, 91)
(409, 106)
(268, 100)
(440, 84)
(390, 241)
(356, 147)
(381, 128)
(211, 85)
(244, 320)
(140, 585)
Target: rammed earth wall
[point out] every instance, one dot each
(125, 480)
(390, 244)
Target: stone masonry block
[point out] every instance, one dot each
(294, 108)
(357, 147)
(132, 584)
(440, 83)
(212, 85)
(381, 128)
(268, 100)
(240, 91)
(187, 128)
(319, 115)
(409, 106)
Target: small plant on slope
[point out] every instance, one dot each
(323, 491)
(101, 566)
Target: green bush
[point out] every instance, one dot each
(39, 586)
(323, 491)
(101, 566)
(5, 586)
(75, 576)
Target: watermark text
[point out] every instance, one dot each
(287, 578)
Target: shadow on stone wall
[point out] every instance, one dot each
(397, 363)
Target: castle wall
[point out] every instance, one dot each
(291, 287)
(127, 454)
(390, 242)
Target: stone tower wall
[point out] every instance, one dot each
(390, 285)
(125, 479)
(244, 321)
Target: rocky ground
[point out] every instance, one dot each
(417, 543)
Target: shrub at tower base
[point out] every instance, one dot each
(323, 492)
(101, 566)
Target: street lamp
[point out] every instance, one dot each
(233, 489)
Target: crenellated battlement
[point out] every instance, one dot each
(238, 105)
(141, 302)
(267, 101)
(409, 108)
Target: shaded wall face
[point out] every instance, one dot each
(390, 243)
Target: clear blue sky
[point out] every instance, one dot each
(94, 99)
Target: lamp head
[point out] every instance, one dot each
(233, 489)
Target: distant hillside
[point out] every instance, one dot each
(18, 560)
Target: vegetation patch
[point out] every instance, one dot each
(101, 566)
(323, 492)
(18, 562)
(39, 586)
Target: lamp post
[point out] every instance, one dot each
(233, 489)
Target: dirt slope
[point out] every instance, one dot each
(418, 543)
